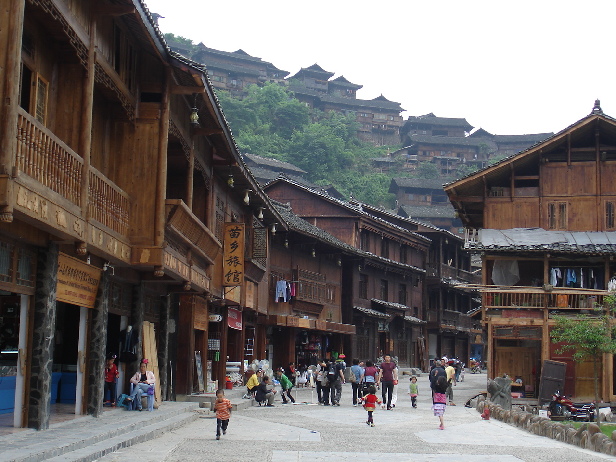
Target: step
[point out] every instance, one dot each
(140, 435)
(86, 431)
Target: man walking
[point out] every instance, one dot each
(437, 371)
(387, 377)
(335, 375)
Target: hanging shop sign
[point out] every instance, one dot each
(77, 281)
(215, 318)
(234, 318)
(233, 258)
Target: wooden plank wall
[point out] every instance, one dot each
(150, 352)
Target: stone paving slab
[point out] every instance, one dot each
(321, 456)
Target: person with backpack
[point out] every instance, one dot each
(335, 375)
(370, 375)
(356, 377)
(325, 384)
(437, 371)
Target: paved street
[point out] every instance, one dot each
(304, 432)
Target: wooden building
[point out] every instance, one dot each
(425, 200)
(508, 145)
(379, 119)
(118, 180)
(383, 290)
(543, 221)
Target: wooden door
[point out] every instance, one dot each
(515, 362)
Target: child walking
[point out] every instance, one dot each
(111, 375)
(439, 400)
(414, 391)
(222, 406)
(370, 401)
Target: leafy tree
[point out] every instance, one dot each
(427, 170)
(589, 336)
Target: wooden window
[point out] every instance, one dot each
(404, 253)
(364, 243)
(610, 206)
(259, 243)
(40, 102)
(557, 215)
(220, 218)
(124, 57)
(402, 294)
(384, 289)
(363, 286)
(384, 247)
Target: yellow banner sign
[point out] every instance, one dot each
(233, 258)
(77, 281)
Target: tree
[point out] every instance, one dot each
(589, 336)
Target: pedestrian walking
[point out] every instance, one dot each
(335, 375)
(370, 401)
(414, 391)
(325, 384)
(439, 400)
(387, 376)
(356, 377)
(222, 406)
(437, 371)
(451, 382)
(286, 385)
(371, 374)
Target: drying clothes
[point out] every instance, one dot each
(570, 278)
(281, 291)
(293, 289)
(505, 272)
(611, 285)
(555, 276)
(581, 278)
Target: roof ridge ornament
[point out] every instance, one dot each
(597, 108)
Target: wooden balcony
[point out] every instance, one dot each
(189, 228)
(454, 320)
(535, 297)
(45, 158)
(448, 271)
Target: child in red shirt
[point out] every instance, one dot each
(222, 406)
(370, 401)
(111, 375)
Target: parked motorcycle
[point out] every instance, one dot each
(475, 367)
(563, 407)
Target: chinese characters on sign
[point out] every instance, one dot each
(233, 259)
(234, 318)
(77, 281)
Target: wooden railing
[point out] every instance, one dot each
(529, 297)
(107, 203)
(44, 157)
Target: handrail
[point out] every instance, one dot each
(107, 203)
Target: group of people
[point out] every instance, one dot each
(142, 384)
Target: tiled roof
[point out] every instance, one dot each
(354, 102)
(540, 240)
(342, 82)
(431, 119)
(227, 67)
(397, 306)
(429, 211)
(272, 163)
(530, 138)
(371, 312)
(453, 141)
(424, 183)
(356, 207)
(414, 320)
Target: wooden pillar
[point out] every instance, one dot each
(163, 346)
(490, 353)
(190, 177)
(97, 348)
(136, 321)
(10, 91)
(43, 332)
(87, 107)
(186, 346)
(161, 186)
(224, 338)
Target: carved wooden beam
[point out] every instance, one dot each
(207, 131)
(106, 9)
(183, 90)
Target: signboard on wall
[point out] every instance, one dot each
(234, 317)
(77, 281)
(233, 258)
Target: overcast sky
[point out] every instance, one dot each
(508, 67)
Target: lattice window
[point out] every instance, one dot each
(25, 268)
(259, 245)
(6, 261)
(609, 215)
(363, 286)
(220, 219)
(557, 215)
(402, 294)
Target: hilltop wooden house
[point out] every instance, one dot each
(544, 223)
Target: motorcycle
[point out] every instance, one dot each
(563, 407)
(475, 367)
